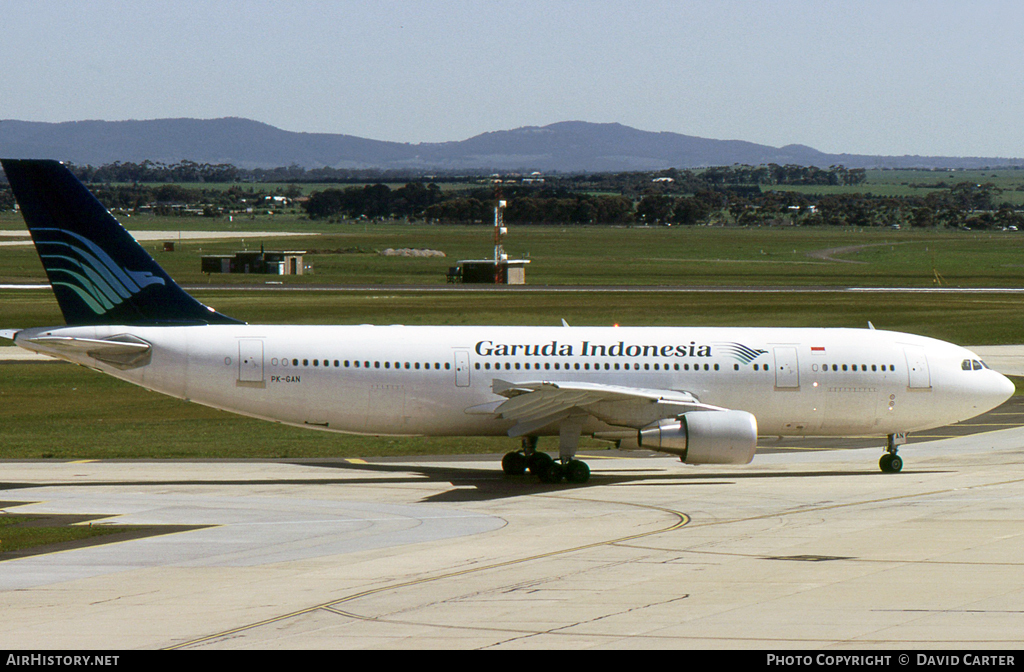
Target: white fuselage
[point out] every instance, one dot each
(406, 380)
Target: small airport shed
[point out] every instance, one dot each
(288, 262)
(489, 271)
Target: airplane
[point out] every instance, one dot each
(703, 394)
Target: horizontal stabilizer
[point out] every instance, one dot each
(123, 352)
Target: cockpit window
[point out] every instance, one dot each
(965, 365)
(977, 365)
(973, 365)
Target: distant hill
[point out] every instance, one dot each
(570, 146)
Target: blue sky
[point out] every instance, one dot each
(862, 76)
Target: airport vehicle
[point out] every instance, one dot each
(704, 394)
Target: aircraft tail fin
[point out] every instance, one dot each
(99, 273)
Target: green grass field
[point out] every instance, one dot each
(347, 254)
(21, 532)
(920, 183)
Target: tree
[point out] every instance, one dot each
(324, 204)
(690, 210)
(654, 208)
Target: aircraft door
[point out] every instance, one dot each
(250, 360)
(462, 368)
(787, 372)
(918, 375)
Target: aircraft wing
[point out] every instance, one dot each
(537, 404)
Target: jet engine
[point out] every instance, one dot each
(705, 437)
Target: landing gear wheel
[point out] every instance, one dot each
(553, 474)
(539, 464)
(514, 464)
(890, 463)
(577, 472)
(885, 463)
(896, 464)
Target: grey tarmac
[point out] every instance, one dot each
(797, 550)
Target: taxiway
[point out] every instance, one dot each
(797, 550)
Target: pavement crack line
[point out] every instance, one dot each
(680, 520)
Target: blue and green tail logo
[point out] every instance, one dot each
(88, 271)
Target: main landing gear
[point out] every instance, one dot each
(892, 463)
(543, 466)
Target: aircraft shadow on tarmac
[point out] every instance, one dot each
(472, 484)
(476, 484)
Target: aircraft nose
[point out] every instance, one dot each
(1006, 388)
(996, 389)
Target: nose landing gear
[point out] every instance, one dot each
(891, 463)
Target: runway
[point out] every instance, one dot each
(806, 550)
(282, 286)
(22, 238)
